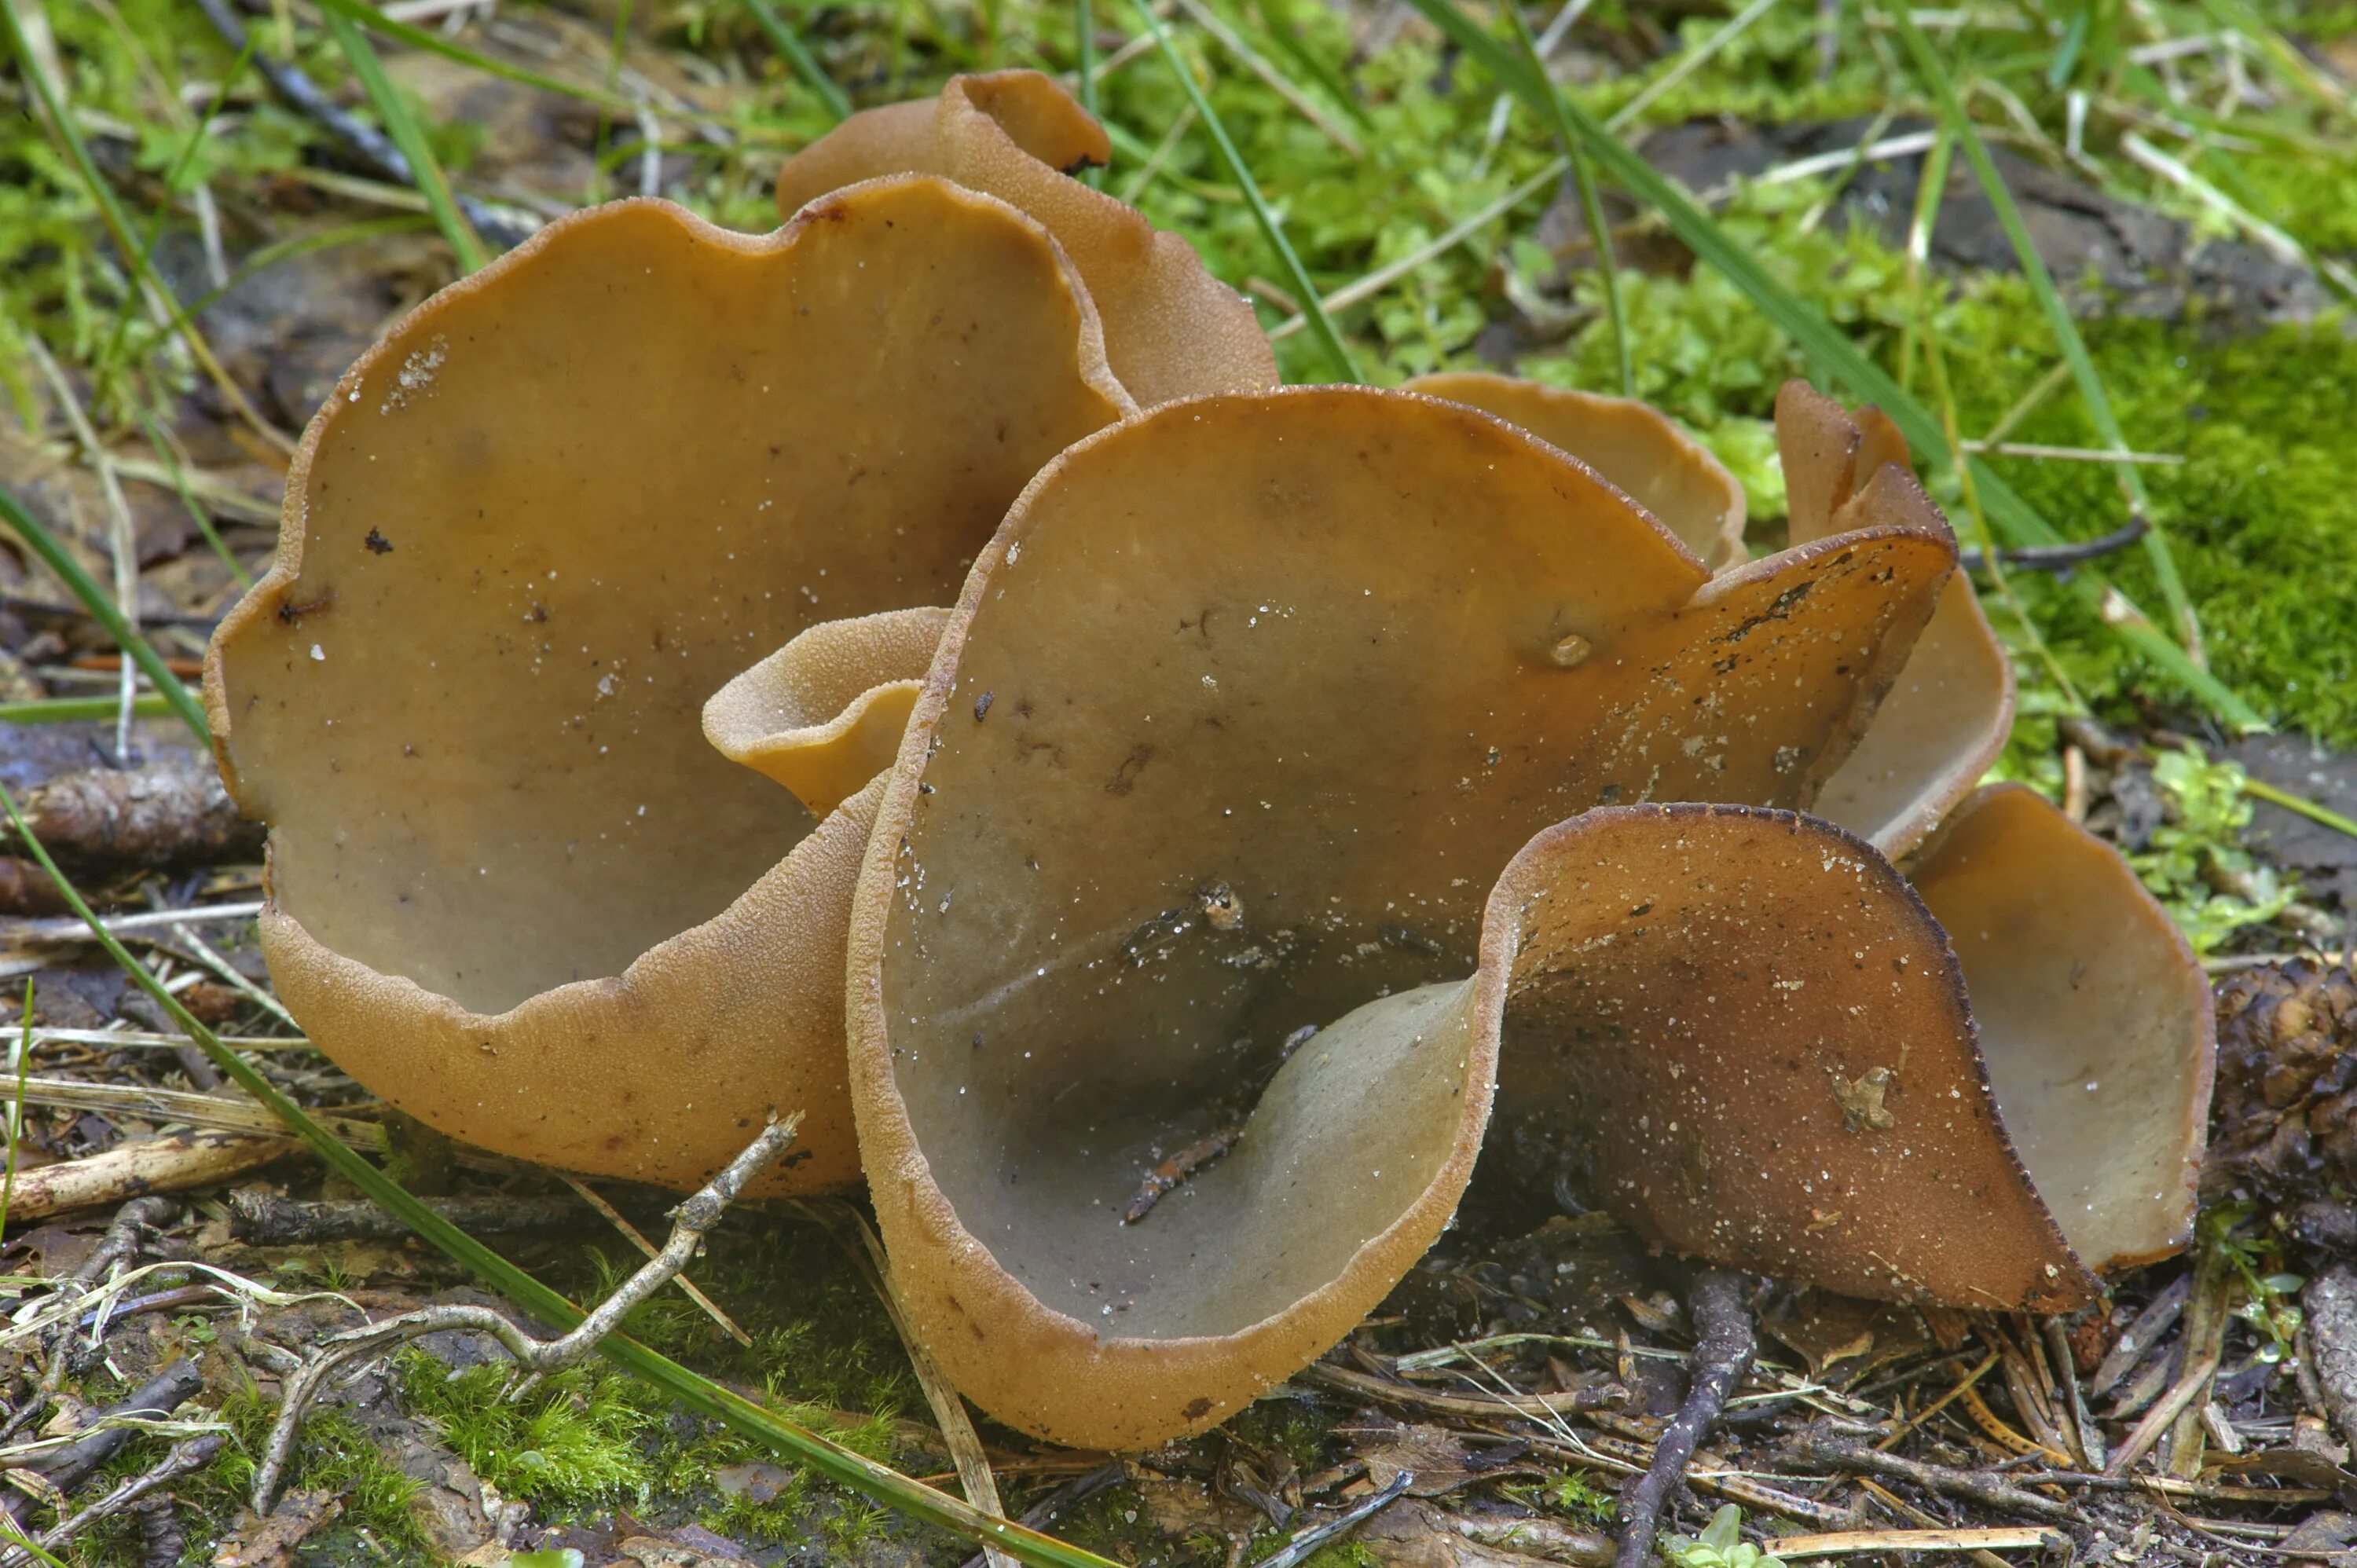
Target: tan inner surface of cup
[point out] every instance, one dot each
(564, 504)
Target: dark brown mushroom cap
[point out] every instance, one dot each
(2095, 1019)
(1240, 717)
(1170, 328)
(1762, 1043)
(533, 531)
(1631, 444)
(1941, 726)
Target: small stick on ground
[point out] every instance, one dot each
(170, 1164)
(1305, 1545)
(264, 1220)
(1722, 1355)
(124, 1239)
(2058, 1351)
(866, 1249)
(1987, 1490)
(690, 1222)
(193, 1454)
(631, 1233)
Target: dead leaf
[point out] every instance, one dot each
(1828, 1331)
(1440, 1460)
(755, 1483)
(271, 1542)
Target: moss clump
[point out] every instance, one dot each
(573, 1440)
(332, 1453)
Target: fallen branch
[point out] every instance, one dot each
(1722, 1355)
(691, 1221)
(2062, 557)
(2030, 1538)
(69, 1467)
(364, 141)
(1823, 1448)
(166, 813)
(264, 1220)
(173, 1163)
(1303, 1547)
(193, 1454)
(1477, 1407)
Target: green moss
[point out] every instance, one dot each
(332, 1453)
(2261, 515)
(571, 1440)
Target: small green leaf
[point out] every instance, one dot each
(555, 1557)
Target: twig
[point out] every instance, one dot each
(2070, 454)
(2137, 1339)
(1722, 1355)
(70, 928)
(364, 141)
(2170, 1487)
(173, 1163)
(2058, 1350)
(1963, 1386)
(857, 1237)
(1845, 1542)
(690, 1222)
(263, 1219)
(1302, 1547)
(194, 1454)
(1070, 1494)
(68, 1468)
(613, 1217)
(2060, 557)
(1627, 1457)
(1825, 1448)
(1907, 1510)
(1478, 1407)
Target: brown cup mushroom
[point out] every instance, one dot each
(1227, 819)
(1170, 328)
(514, 889)
(1632, 445)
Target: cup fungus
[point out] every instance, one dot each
(1170, 328)
(512, 889)
(1361, 691)
(1304, 781)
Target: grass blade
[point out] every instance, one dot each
(1084, 42)
(68, 710)
(803, 63)
(102, 609)
(1835, 355)
(117, 224)
(1591, 204)
(401, 127)
(1291, 39)
(1322, 325)
(698, 1393)
(432, 42)
(104, 372)
(1252, 60)
(2259, 788)
(2050, 299)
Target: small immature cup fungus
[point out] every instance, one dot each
(1170, 328)
(514, 889)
